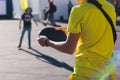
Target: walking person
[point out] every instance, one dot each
(70, 5)
(50, 13)
(117, 7)
(91, 37)
(26, 18)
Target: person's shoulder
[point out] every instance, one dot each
(23, 14)
(107, 5)
(83, 6)
(51, 3)
(31, 15)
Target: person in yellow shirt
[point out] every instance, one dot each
(91, 37)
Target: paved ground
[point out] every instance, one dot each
(38, 63)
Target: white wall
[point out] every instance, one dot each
(62, 7)
(17, 10)
(3, 7)
(39, 5)
(34, 4)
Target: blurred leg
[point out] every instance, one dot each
(22, 35)
(51, 18)
(29, 36)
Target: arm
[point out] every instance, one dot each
(35, 21)
(68, 46)
(47, 10)
(20, 23)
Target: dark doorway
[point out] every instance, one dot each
(6, 9)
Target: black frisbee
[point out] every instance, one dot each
(53, 34)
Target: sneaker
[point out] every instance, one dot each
(19, 46)
(29, 47)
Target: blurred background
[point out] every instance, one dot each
(12, 9)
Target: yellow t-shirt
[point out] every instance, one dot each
(96, 33)
(96, 36)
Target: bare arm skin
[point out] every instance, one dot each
(67, 46)
(20, 23)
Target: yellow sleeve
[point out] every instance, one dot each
(74, 21)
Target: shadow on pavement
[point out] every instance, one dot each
(48, 59)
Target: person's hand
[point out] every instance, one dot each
(19, 27)
(41, 40)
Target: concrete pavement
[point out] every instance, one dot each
(29, 64)
(34, 64)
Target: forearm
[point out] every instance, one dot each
(47, 10)
(35, 21)
(67, 46)
(20, 22)
(61, 46)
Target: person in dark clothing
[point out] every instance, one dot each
(26, 18)
(117, 7)
(70, 5)
(45, 14)
(50, 13)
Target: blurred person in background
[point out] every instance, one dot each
(50, 13)
(70, 5)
